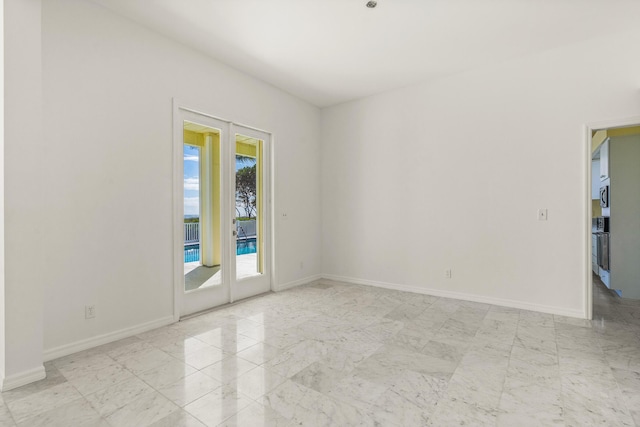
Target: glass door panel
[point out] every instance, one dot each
(191, 203)
(248, 209)
(202, 241)
(203, 236)
(250, 212)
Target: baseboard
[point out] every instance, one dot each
(18, 380)
(461, 296)
(74, 347)
(23, 378)
(298, 282)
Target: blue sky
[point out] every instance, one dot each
(191, 179)
(191, 184)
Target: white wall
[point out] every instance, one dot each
(2, 282)
(23, 191)
(108, 89)
(451, 174)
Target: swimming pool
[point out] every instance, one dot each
(246, 246)
(243, 247)
(191, 253)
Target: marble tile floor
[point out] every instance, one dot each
(334, 354)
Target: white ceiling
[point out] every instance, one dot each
(332, 51)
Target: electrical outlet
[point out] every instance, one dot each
(89, 311)
(542, 214)
(447, 274)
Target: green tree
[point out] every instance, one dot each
(246, 189)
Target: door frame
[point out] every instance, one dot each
(589, 128)
(178, 205)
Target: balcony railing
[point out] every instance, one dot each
(191, 232)
(246, 229)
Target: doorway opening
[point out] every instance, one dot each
(614, 212)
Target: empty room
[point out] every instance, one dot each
(288, 212)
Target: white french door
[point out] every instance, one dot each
(249, 198)
(221, 207)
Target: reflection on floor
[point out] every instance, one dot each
(335, 354)
(197, 276)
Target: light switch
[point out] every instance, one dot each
(542, 214)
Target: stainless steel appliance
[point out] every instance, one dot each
(604, 196)
(602, 224)
(602, 233)
(603, 251)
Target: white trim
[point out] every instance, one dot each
(587, 251)
(230, 239)
(619, 123)
(272, 213)
(588, 130)
(67, 349)
(460, 296)
(227, 141)
(253, 128)
(23, 378)
(178, 207)
(198, 111)
(298, 282)
(202, 113)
